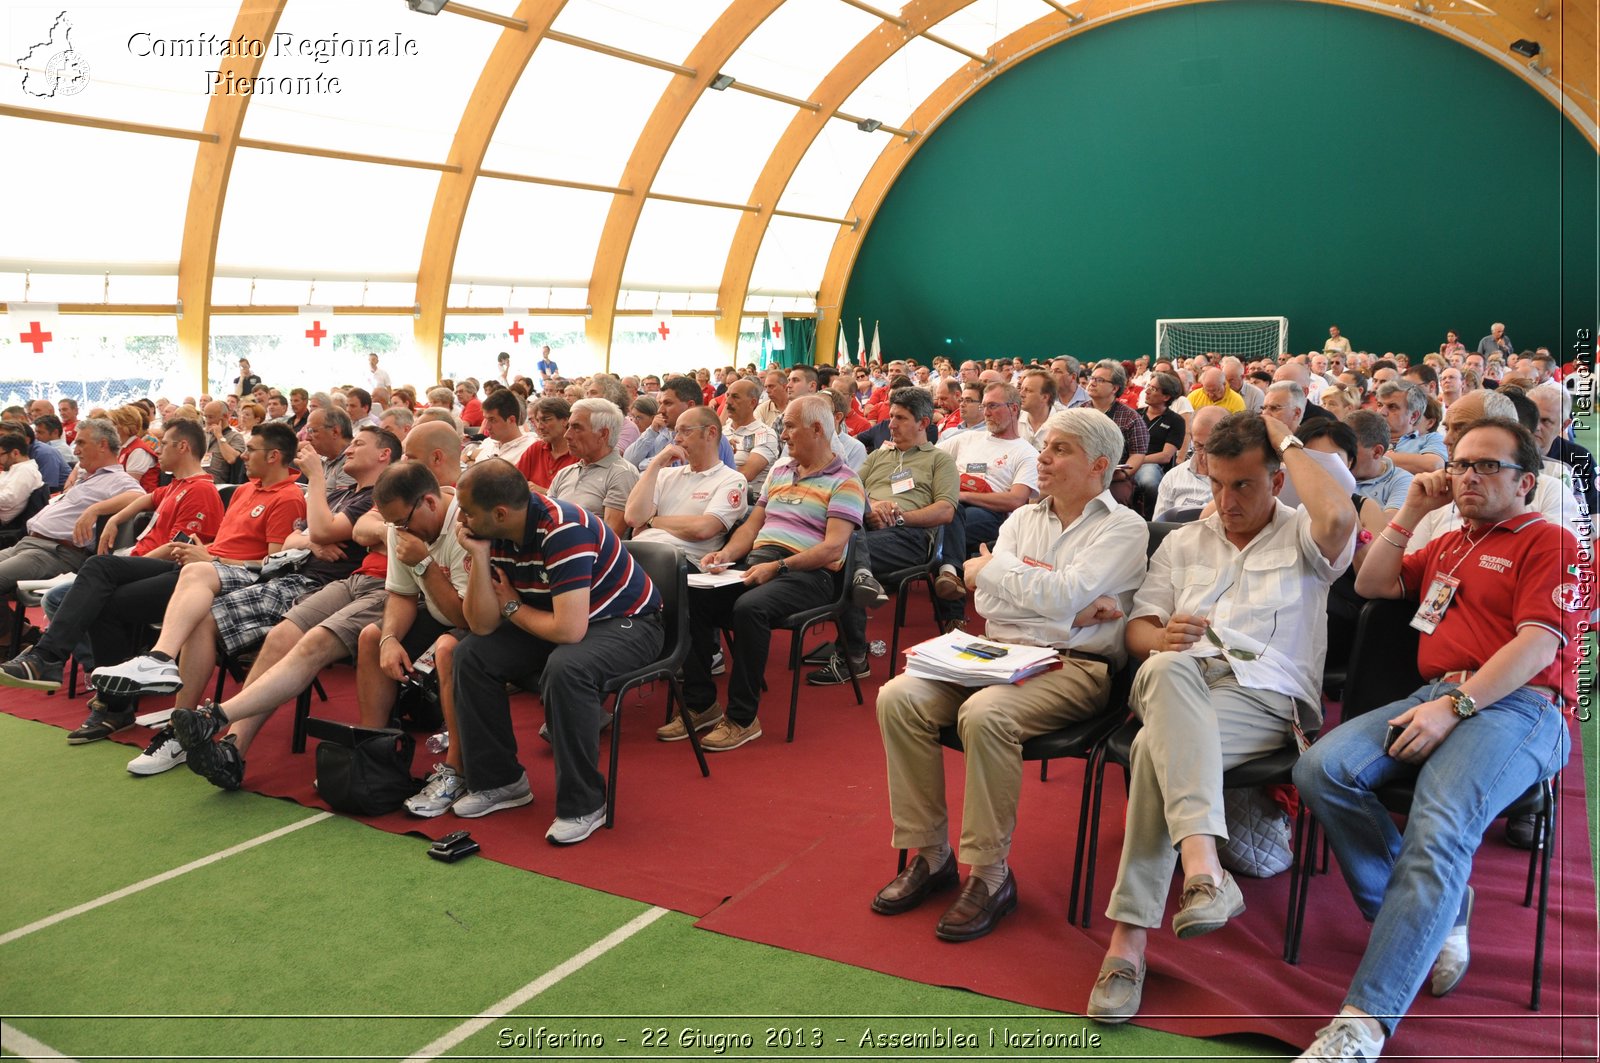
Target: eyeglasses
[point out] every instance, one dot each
(992, 407)
(1486, 467)
(405, 525)
(1216, 640)
(683, 430)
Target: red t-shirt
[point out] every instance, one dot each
(539, 466)
(375, 564)
(69, 431)
(191, 505)
(1522, 572)
(472, 413)
(257, 516)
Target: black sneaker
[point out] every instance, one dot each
(103, 722)
(218, 763)
(27, 671)
(197, 727)
(835, 671)
(866, 592)
(1521, 831)
(822, 654)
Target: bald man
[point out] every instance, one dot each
(224, 445)
(1214, 391)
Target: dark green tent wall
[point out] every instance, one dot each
(1237, 159)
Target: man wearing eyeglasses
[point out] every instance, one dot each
(1230, 626)
(686, 497)
(1498, 614)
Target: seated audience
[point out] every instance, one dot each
(677, 394)
(554, 602)
(1165, 429)
(1075, 554)
(1500, 663)
(795, 536)
(1555, 421)
(503, 435)
(1214, 391)
(1187, 487)
(1037, 394)
(19, 476)
(549, 453)
(397, 421)
(1107, 381)
(1229, 625)
(846, 447)
(47, 432)
(1377, 476)
(137, 456)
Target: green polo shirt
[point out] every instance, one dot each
(933, 476)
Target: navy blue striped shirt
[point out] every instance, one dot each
(566, 548)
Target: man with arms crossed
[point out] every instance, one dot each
(1230, 626)
(1055, 559)
(1501, 663)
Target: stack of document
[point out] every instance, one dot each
(977, 662)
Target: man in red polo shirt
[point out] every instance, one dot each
(1498, 606)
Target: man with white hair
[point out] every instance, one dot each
(1286, 403)
(1555, 417)
(602, 479)
(795, 536)
(1496, 342)
(1187, 485)
(1233, 372)
(1411, 448)
(1062, 575)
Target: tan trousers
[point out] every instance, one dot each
(1198, 722)
(993, 723)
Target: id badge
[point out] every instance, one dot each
(901, 482)
(1441, 592)
(978, 468)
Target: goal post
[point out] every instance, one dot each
(1250, 338)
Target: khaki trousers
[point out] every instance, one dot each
(993, 723)
(1198, 722)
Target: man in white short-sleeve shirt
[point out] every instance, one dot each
(999, 473)
(689, 506)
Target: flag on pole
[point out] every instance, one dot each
(766, 352)
(861, 343)
(34, 328)
(843, 357)
(775, 324)
(877, 355)
(314, 329)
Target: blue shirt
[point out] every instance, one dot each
(1388, 488)
(53, 468)
(1421, 443)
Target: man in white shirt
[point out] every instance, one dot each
(1038, 393)
(20, 476)
(1229, 624)
(771, 408)
(755, 444)
(689, 506)
(1043, 586)
(849, 449)
(377, 378)
(503, 436)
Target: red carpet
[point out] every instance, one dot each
(785, 844)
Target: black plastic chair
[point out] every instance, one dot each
(12, 531)
(1383, 669)
(797, 624)
(670, 573)
(902, 580)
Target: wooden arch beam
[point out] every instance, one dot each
(496, 82)
(1573, 65)
(208, 190)
(731, 29)
(871, 52)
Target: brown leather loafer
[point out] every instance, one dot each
(975, 912)
(913, 885)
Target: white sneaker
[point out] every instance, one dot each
(138, 675)
(566, 831)
(1344, 1040)
(1454, 955)
(443, 789)
(482, 802)
(163, 753)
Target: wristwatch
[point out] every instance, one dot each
(783, 567)
(510, 607)
(1465, 707)
(1290, 440)
(421, 567)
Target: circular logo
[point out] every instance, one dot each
(1569, 596)
(734, 494)
(68, 71)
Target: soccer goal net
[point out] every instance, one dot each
(1251, 338)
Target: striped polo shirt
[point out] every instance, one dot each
(798, 509)
(566, 548)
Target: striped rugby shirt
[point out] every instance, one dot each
(798, 509)
(567, 548)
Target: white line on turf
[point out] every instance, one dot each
(25, 1047)
(537, 986)
(165, 876)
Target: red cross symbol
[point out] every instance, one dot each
(37, 338)
(516, 331)
(777, 328)
(662, 328)
(315, 333)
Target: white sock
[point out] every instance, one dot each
(935, 856)
(993, 875)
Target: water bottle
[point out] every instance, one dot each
(438, 743)
(878, 647)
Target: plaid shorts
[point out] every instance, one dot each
(247, 608)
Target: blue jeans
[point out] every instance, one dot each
(1412, 886)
